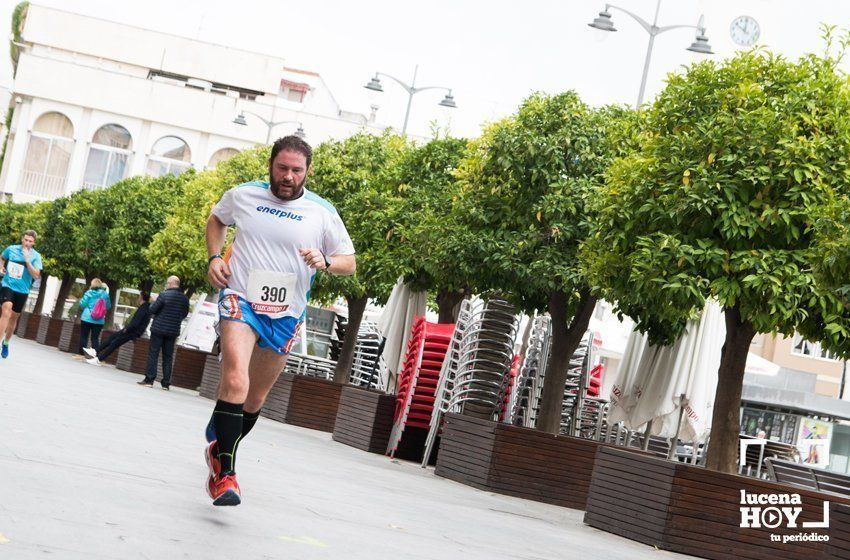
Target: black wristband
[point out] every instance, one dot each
(209, 260)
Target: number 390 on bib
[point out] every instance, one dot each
(270, 293)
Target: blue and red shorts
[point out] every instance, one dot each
(277, 334)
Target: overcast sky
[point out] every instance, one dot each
(492, 53)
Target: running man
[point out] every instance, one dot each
(21, 264)
(284, 235)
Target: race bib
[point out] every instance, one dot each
(271, 293)
(15, 270)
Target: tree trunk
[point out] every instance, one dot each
(447, 305)
(190, 292)
(565, 340)
(726, 419)
(39, 301)
(64, 289)
(356, 307)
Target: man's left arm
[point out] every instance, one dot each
(339, 265)
(342, 265)
(337, 250)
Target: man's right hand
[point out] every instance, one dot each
(218, 273)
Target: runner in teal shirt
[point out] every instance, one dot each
(20, 267)
(19, 279)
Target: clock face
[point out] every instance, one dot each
(745, 31)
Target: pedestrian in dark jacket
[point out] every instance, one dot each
(169, 310)
(137, 327)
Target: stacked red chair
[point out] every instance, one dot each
(417, 384)
(594, 382)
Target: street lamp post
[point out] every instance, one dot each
(375, 85)
(700, 45)
(240, 120)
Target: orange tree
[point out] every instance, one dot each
(523, 200)
(719, 201)
(427, 188)
(359, 176)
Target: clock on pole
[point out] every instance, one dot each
(745, 31)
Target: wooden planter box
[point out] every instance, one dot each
(49, 332)
(304, 401)
(691, 510)
(188, 369)
(516, 461)
(21, 327)
(69, 339)
(133, 357)
(212, 374)
(364, 419)
(33, 323)
(839, 531)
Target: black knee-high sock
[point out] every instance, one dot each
(227, 419)
(248, 421)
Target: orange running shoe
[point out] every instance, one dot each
(225, 491)
(215, 467)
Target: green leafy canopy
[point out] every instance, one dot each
(720, 197)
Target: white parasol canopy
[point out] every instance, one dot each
(395, 324)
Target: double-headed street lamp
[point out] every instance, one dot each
(700, 44)
(240, 120)
(375, 85)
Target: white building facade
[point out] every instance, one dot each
(97, 101)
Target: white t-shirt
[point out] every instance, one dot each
(270, 231)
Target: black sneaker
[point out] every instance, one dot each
(166, 387)
(145, 382)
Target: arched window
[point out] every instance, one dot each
(221, 155)
(51, 143)
(170, 154)
(109, 156)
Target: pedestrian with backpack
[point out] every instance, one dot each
(137, 327)
(93, 305)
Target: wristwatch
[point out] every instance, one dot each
(327, 262)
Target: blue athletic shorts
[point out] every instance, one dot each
(277, 334)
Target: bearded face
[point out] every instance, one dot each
(287, 174)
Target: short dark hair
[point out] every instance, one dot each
(30, 233)
(146, 296)
(294, 144)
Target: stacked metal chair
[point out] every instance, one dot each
(475, 378)
(526, 396)
(584, 413)
(487, 350)
(574, 392)
(367, 362)
(365, 369)
(311, 366)
(340, 323)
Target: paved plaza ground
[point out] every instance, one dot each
(93, 466)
